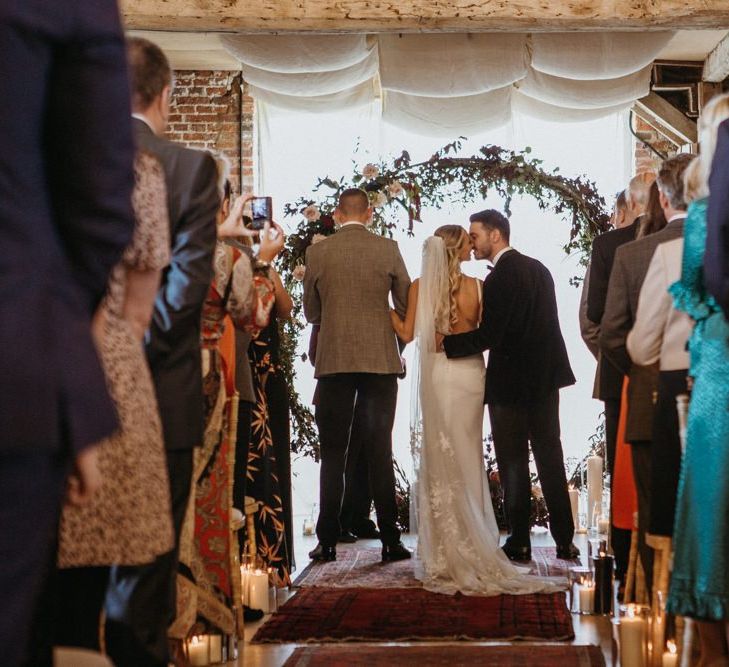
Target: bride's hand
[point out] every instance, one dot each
(396, 320)
(439, 337)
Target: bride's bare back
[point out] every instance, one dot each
(468, 309)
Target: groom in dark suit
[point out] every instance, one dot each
(527, 366)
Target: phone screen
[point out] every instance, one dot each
(261, 208)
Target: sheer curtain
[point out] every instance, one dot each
(298, 148)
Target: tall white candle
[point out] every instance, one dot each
(574, 500)
(587, 598)
(197, 649)
(632, 630)
(594, 486)
(258, 590)
(244, 583)
(670, 657)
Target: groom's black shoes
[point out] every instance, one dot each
(397, 551)
(517, 553)
(322, 553)
(345, 537)
(567, 552)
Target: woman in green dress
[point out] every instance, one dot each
(700, 579)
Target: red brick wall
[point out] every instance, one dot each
(209, 110)
(646, 159)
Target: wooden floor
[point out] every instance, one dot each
(594, 630)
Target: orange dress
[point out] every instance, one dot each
(624, 495)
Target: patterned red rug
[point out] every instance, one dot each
(399, 614)
(357, 567)
(442, 656)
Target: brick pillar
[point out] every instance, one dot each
(646, 159)
(209, 110)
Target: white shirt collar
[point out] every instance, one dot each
(353, 222)
(139, 116)
(500, 253)
(678, 216)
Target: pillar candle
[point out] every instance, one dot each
(216, 648)
(258, 590)
(632, 630)
(586, 594)
(197, 649)
(670, 657)
(244, 583)
(594, 486)
(574, 499)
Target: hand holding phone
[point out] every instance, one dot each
(273, 240)
(261, 212)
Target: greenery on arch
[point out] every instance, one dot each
(399, 190)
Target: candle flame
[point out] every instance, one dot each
(672, 649)
(195, 640)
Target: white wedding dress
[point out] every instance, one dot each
(458, 538)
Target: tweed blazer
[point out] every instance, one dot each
(349, 279)
(621, 307)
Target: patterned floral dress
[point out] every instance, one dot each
(700, 579)
(128, 521)
(206, 590)
(269, 468)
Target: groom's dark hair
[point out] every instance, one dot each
(492, 219)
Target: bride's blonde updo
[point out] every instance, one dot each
(454, 238)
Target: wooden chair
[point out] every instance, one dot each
(635, 588)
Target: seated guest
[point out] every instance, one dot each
(128, 522)
(246, 296)
(700, 579)
(629, 269)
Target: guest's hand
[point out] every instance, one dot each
(233, 226)
(85, 479)
(271, 244)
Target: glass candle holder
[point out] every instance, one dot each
(633, 631)
(582, 590)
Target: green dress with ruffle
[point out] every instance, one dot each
(700, 579)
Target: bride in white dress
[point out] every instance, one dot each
(458, 538)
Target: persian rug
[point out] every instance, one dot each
(446, 656)
(357, 567)
(404, 614)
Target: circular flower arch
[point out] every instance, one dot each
(398, 191)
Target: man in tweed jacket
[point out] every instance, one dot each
(349, 279)
(626, 279)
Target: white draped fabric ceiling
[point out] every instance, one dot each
(440, 84)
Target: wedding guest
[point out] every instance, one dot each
(269, 456)
(128, 521)
(65, 206)
(654, 219)
(349, 277)
(626, 219)
(626, 279)
(244, 297)
(141, 600)
(700, 579)
(659, 335)
(716, 268)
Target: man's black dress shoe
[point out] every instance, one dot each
(517, 553)
(323, 553)
(567, 551)
(397, 551)
(252, 615)
(346, 537)
(367, 533)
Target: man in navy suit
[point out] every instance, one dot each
(65, 218)
(716, 259)
(140, 602)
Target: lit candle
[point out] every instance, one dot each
(197, 650)
(308, 526)
(587, 597)
(594, 485)
(670, 657)
(258, 590)
(632, 631)
(574, 500)
(244, 583)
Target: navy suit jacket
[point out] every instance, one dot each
(520, 328)
(173, 339)
(716, 259)
(66, 177)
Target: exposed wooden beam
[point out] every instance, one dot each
(716, 65)
(667, 119)
(423, 15)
